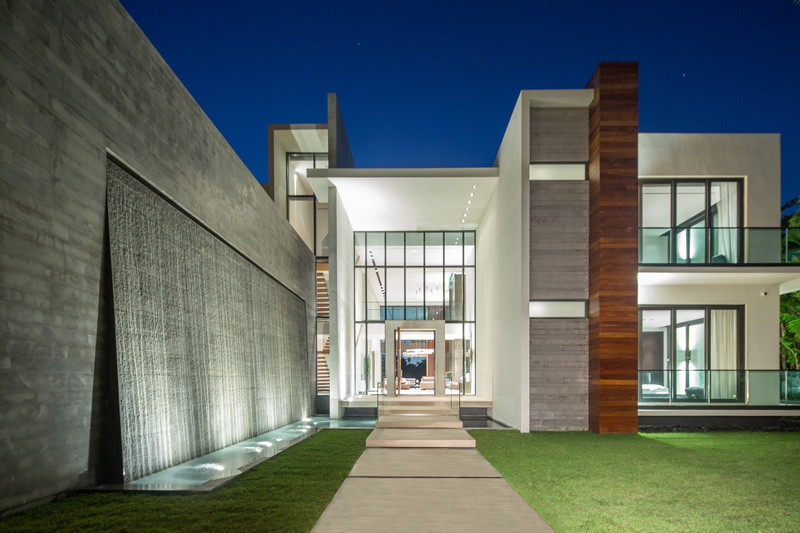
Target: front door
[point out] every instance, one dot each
(415, 360)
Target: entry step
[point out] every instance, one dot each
(418, 420)
(419, 438)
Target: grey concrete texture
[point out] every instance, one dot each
(210, 349)
(559, 134)
(559, 374)
(559, 240)
(79, 80)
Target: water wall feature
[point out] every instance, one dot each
(210, 349)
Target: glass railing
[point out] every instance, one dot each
(758, 388)
(698, 245)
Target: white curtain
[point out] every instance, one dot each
(727, 220)
(723, 354)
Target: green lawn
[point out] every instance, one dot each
(286, 493)
(653, 482)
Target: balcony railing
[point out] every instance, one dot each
(699, 245)
(756, 388)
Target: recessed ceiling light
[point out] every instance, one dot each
(469, 202)
(474, 186)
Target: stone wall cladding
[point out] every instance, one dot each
(210, 349)
(78, 79)
(559, 374)
(559, 134)
(559, 236)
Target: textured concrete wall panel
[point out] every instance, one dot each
(210, 349)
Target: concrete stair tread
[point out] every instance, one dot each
(419, 438)
(417, 420)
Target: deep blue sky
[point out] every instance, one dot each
(433, 83)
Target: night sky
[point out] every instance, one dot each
(433, 84)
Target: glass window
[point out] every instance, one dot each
(360, 298)
(298, 165)
(360, 241)
(469, 358)
(469, 293)
(434, 249)
(395, 291)
(323, 357)
(453, 248)
(454, 293)
(359, 353)
(369, 365)
(415, 289)
(656, 205)
(395, 249)
(469, 248)
(690, 355)
(415, 251)
(301, 217)
(322, 230)
(376, 249)
(434, 293)
(376, 292)
(454, 356)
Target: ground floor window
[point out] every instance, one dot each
(691, 354)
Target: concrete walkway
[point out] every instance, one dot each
(426, 480)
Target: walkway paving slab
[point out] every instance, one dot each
(423, 463)
(429, 504)
(419, 438)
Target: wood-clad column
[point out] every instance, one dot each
(613, 247)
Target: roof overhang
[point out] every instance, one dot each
(395, 199)
(302, 138)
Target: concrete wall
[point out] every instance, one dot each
(210, 349)
(80, 79)
(756, 157)
(559, 233)
(341, 250)
(559, 270)
(559, 134)
(559, 376)
(502, 279)
(339, 154)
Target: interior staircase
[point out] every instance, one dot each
(323, 372)
(323, 310)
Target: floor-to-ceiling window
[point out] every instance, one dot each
(413, 275)
(690, 221)
(691, 354)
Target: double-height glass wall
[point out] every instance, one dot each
(414, 275)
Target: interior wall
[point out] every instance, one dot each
(502, 279)
(79, 79)
(342, 296)
(757, 157)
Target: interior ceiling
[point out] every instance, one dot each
(437, 201)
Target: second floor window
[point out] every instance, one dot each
(690, 220)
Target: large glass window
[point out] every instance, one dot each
(306, 216)
(690, 221)
(414, 276)
(690, 354)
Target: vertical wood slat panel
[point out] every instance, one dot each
(613, 248)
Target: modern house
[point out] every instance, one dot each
(156, 304)
(594, 277)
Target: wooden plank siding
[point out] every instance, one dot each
(613, 248)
